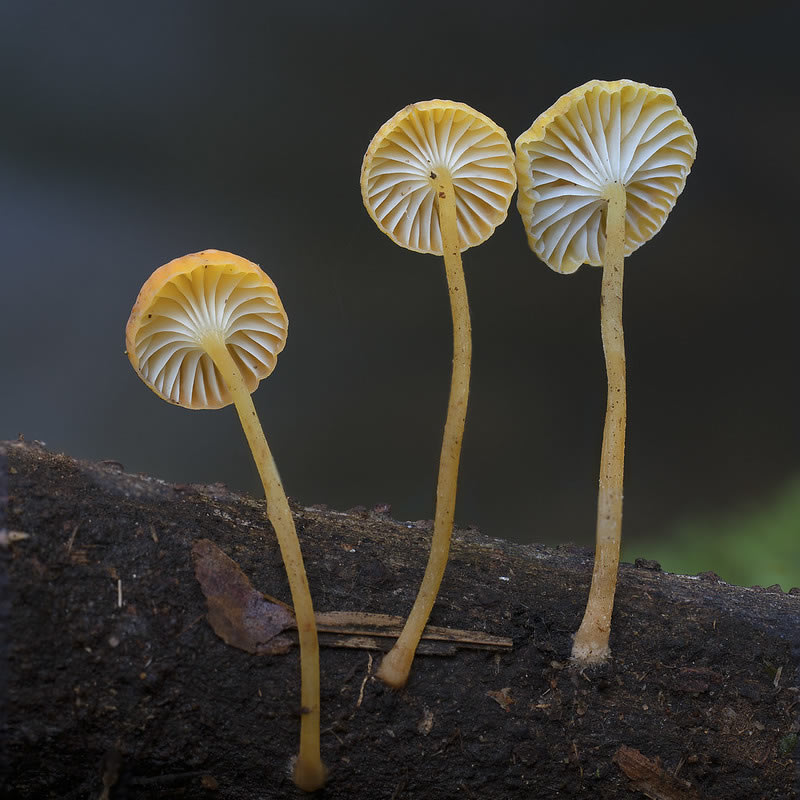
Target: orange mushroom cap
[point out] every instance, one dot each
(398, 175)
(200, 295)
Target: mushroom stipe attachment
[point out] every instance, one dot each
(598, 174)
(438, 178)
(205, 329)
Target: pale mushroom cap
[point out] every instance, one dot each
(600, 133)
(201, 295)
(396, 182)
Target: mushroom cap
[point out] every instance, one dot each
(396, 177)
(600, 133)
(201, 295)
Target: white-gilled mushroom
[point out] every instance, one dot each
(598, 174)
(438, 178)
(205, 329)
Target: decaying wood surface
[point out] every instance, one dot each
(114, 684)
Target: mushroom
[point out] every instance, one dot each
(205, 329)
(438, 178)
(598, 174)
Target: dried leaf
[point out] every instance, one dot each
(251, 621)
(241, 616)
(648, 776)
(503, 698)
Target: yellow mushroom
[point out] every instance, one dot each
(205, 329)
(438, 178)
(598, 174)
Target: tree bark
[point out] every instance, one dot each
(113, 684)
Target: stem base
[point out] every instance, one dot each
(310, 775)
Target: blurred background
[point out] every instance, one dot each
(133, 133)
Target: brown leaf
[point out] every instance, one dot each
(251, 621)
(502, 697)
(241, 616)
(649, 777)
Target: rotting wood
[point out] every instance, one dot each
(381, 626)
(704, 675)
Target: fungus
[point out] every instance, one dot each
(438, 178)
(205, 329)
(598, 174)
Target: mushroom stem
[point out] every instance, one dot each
(396, 665)
(591, 640)
(309, 773)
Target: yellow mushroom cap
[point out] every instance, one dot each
(201, 295)
(396, 177)
(600, 133)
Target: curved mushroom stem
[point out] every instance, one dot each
(396, 664)
(310, 772)
(591, 640)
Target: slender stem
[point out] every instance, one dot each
(396, 664)
(309, 770)
(591, 640)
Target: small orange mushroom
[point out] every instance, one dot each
(438, 178)
(598, 174)
(205, 329)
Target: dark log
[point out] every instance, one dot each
(114, 685)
